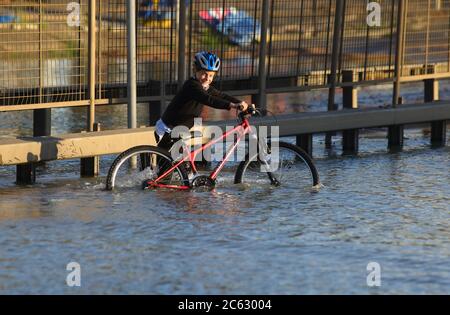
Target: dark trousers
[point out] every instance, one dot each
(166, 142)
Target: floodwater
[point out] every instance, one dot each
(389, 208)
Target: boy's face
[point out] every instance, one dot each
(205, 77)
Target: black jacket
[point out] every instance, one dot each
(188, 103)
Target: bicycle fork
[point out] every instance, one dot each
(263, 157)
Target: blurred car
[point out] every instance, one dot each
(7, 19)
(157, 13)
(236, 25)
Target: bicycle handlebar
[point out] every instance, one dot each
(251, 110)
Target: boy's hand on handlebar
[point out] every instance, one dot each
(242, 106)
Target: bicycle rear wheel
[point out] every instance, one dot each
(291, 168)
(136, 165)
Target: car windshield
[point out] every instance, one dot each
(244, 24)
(241, 24)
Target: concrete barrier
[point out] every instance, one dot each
(81, 145)
(71, 146)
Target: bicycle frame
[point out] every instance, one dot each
(241, 129)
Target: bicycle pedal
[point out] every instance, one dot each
(146, 185)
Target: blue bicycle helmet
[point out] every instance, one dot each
(206, 61)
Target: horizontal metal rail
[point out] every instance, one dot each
(273, 90)
(347, 119)
(44, 51)
(34, 149)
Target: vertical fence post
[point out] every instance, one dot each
(42, 122)
(305, 142)
(41, 79)
(41, 117)
(350, 138)
(438, 128)
(399, 51)
(99, 50)
(182, 43)
(131, 63)
(314, 15)
(262, 73)
(91, 51)
(131, 69)
(338, 17)
(26, 173)
(395, 133)
(90, 167)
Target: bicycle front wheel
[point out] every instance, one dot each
(289, 167)
(141, 164)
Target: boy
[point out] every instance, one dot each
(189, 101)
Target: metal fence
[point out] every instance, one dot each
(300, 37)
(369, 50)
(427, 37)
(44, 45)
(42, 52)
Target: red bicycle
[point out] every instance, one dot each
(150, 167)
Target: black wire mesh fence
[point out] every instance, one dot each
(368, 45)
(44, 44)
(231, 29)
(43, 51)
(427, 44)
(156, 45)
(300, 39)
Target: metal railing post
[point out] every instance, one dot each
(181, 43)
(41, 79)
(131, 63)
(338, 17)
(26, 173)
(91, 52)
(42, 118)
(89, 167)
(399, 51)
(305, 141)
(396, 133)
(335, 52)
(439, 127)
(350, 138)
(262, 73)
